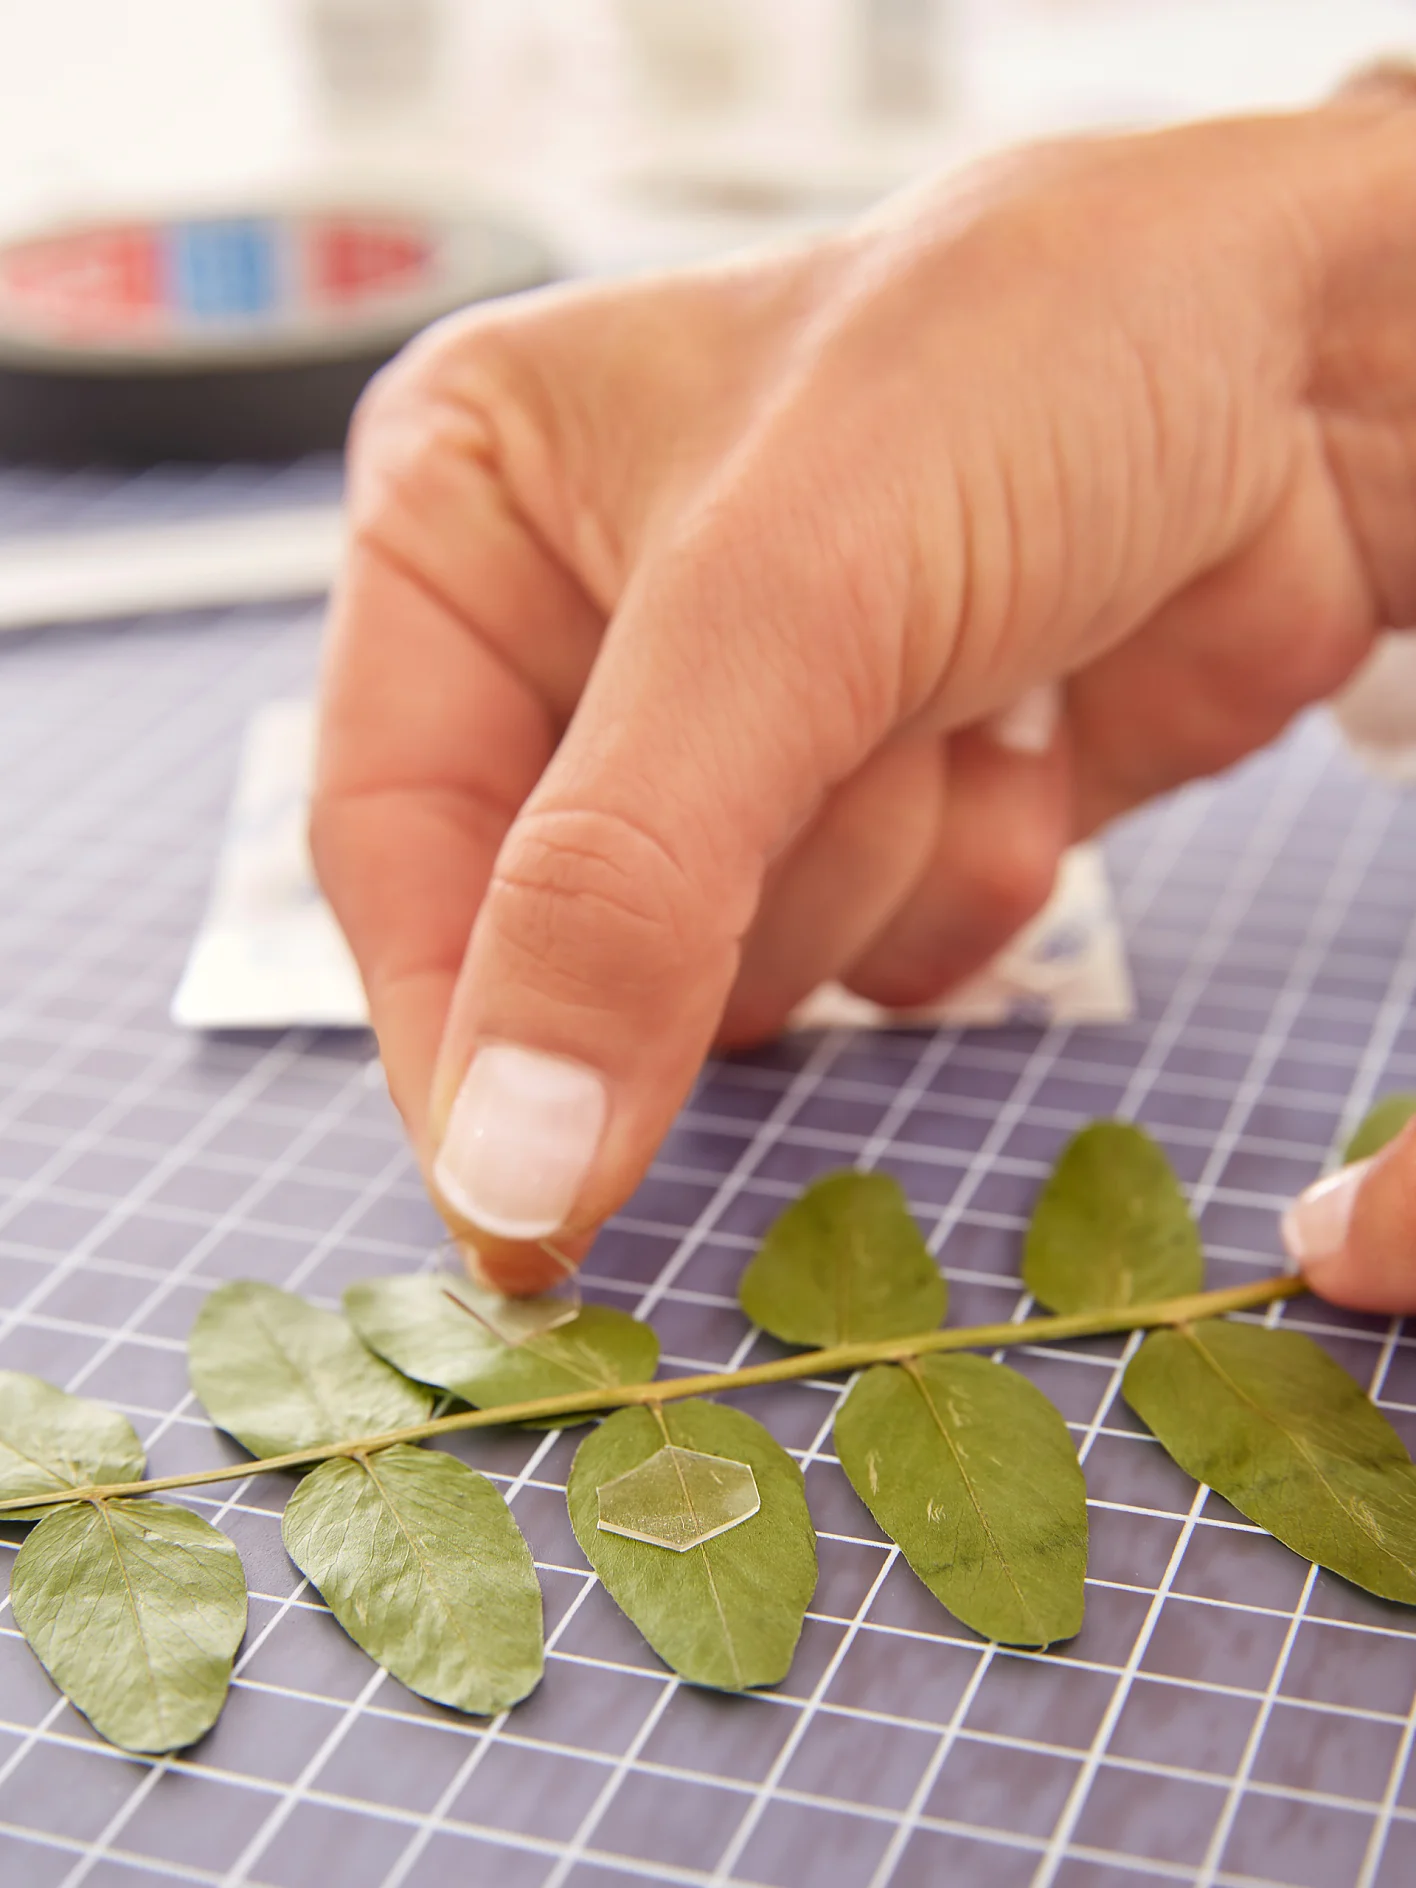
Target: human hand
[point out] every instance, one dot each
(663, 676)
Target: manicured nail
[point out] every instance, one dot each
(520, 1140)
(1030, 724)
(1315, 1226)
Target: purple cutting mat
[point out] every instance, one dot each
(1226, 1716)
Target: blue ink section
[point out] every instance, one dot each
(223, 269)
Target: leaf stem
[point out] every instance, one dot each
(809, 1363)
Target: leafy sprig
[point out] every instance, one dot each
(137, 1608)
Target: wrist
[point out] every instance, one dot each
(1360, 207)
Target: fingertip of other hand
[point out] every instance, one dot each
(1315, 1236)
(1352, 1234)
(1315, 1226)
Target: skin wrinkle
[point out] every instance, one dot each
(833, 578)
(1014, 546)
(581, 858)
(574, 522)
(1329, 391)
(1150, 443)
(375, 541)
(995, 478)
(1242, 703)
(720, 822)
(1070, 495)
(469, 806)
(577, 542)
(731, 507)
(566, 528)
(583, 990)
(1123, 589)
(864, 581)
(468, 412)
(572, 475)
(1237, 503)
(1054, 458)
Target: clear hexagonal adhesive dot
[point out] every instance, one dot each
(679, 1498)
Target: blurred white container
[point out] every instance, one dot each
(804, 99)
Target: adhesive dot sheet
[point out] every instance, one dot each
(1227, 1715)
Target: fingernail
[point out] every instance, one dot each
(520, 1140)
(1315, 1226)
(1029, 725)
(557, 1276)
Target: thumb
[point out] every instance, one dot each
(609, 938)
(1354, 1232)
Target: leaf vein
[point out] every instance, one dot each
(916, 1377)
(1355, 1513)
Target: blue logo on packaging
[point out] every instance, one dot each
(222, 269)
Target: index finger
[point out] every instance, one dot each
(439, 711)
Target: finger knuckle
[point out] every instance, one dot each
(438, 391)
(598, 903)
(397, 393)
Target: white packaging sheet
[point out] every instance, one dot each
(270, 954)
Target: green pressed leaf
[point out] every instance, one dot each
(1384, 1122)
(50, 1440)
(279, 1374)
(420, 1561)
(135, 1609)
(970, 1470)
(1111, 1227)
(726, 1613)
(412, 1322)
(1270, 1422)
(844, 1262)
